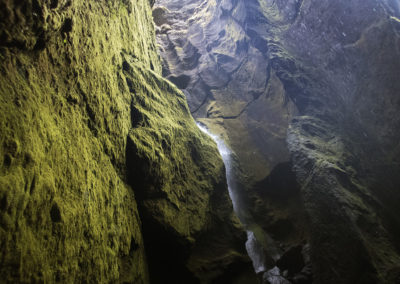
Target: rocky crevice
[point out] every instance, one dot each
(104, 175)
(332, 64)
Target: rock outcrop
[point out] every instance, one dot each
(210, 51)
(104, 174)
(344, 143)
(308, 87)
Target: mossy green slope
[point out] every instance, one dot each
(166, 163)
(179, 181)
(79, 82)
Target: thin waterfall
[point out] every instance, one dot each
(255, 252)
(253, 247)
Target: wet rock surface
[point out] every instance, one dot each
(306, 94)
(228, 77)
(342, 152)
(105, 177)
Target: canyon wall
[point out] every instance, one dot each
(104, 175)
(306, 94)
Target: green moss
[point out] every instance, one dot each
(180, 159)
(66, 213)
(70, 116)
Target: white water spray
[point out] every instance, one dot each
(226, 155)
(253, 247)
(255, 252)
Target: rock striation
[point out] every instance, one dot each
(344, 143)
(104, 175)
(223, 68)
(306, 94)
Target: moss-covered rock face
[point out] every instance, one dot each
(89, 133)
(178, 177)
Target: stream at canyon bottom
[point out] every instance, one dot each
(254, 247)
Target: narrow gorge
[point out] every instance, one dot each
(200, 141)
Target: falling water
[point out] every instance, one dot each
(255, 251)
(253, 247)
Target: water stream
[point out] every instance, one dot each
(253, 246)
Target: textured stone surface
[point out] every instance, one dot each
(104, 175)
(321, 75)
(228, 77)
(221, 51)
(98, 150)
(344, 143)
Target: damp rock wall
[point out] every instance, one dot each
(306, 94)
(104, 175)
